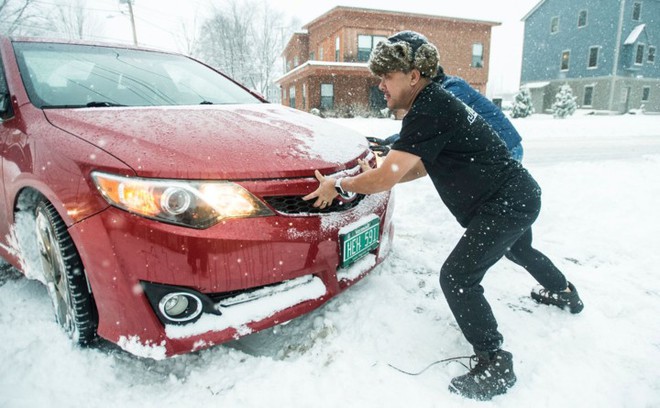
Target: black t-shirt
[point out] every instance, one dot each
(464, 157)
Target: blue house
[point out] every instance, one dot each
(606, 50)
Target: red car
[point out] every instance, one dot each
(160, 201)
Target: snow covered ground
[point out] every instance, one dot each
(600, 224)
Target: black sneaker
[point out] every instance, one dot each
(570, 300)
(492, 375)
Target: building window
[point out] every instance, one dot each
(565, 59)
(637, 11)
(327, 96)
(292, 97)
(646, 93)
(477, 55)
(593, 57)
(304, 97)
(311, 56)
(582, 18)
(337, 49)
(588, 95)
(320, 53)
(651, 57)
(639, 55)
(366, 43)
(296, 62)
(554, 25)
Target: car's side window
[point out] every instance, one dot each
(5, 105)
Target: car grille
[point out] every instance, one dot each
(296, 205)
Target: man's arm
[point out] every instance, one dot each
(397, 167)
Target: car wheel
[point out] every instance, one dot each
(65, 278)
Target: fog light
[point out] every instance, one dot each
(176, 305)
(180, 306)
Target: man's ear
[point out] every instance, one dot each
(415, 76)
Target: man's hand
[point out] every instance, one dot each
(325, 193)
(364, 165)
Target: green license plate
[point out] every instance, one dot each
(358, 242)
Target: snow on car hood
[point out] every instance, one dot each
(215, 142)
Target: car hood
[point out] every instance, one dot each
(235, 142)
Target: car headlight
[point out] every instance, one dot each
(197, 204)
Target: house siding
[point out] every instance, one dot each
(615, 72)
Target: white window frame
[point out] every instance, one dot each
(554, 25)
(650, 56)
(477, 47)
(648, 93)
(586, 18)
(568, 61)
(597, 48)
(637, 4)
(584, 96)
(637, 53)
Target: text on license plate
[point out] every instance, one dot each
(359, 241)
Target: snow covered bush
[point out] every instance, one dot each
(522, 104)
(565, 103)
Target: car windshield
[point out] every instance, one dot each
(76, 76)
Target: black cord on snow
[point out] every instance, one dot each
(447, 360)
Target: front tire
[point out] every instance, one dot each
(64, 273)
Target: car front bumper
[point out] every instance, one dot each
(266, 270)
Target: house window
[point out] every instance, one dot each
(588, 95)
(320, 53)
(582, 18)
(639, 55)
(337, 49)
(554, 25)
(477, 55)
(366, 43)
(292, 97)
(565, 59)
(593, 57)
(311, 56)
(637, 11)
(646, 93)
(327, 96)
(651, 57)
(304, 96)
(295, 61)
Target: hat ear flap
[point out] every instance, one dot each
(426, 60)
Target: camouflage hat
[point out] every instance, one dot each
(405, 51)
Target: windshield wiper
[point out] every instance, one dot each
(102, 104)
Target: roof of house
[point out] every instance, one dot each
(339, 9)
(634, 34)
(532, 11)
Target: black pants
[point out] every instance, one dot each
(501, 227)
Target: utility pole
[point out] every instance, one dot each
(132, 17)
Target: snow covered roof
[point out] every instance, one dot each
(534, 85)
(338, 65)
(532, 11)
(634, 34)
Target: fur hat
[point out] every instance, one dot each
(405, 51)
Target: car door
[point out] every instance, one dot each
(5, 113)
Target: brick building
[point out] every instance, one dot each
(326, 64)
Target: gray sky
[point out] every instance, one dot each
(157, 19)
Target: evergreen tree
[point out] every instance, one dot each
(565, 103)
(522, 104)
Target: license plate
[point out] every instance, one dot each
(359, 241)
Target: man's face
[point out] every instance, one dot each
(397, 89)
